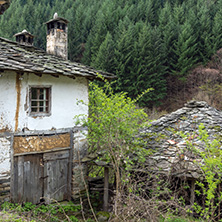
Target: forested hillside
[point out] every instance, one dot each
(143, 42)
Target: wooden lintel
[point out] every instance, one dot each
(46, 151)
(90, 78)
(38, 74)
(192, 192)
(72, 77)
(41, 132)
(55, 75)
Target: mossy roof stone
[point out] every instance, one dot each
(18, 57)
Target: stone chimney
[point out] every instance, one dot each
(24, 37)
(57, 36)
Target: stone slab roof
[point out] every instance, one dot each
(170, 152)
(23, 58)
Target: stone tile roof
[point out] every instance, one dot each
(23, 58)
(171, 154)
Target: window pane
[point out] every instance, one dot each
(34, 109)
(41, 94)
(34, 103)
(34, 93)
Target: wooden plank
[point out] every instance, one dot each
(28, 144)
(192, 192)
(106, 189)
(56, 172)
(27, 179)
(14, 183)
(33, 178)
(43, 132)
(56, 155)
(20, 189)
(46, 151)
(70, 166)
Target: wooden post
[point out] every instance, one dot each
(106, 189)
(192, 192)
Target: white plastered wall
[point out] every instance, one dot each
(65, 92)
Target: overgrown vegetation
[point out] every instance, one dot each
(69, 212)
(113, 123)
(139, 193)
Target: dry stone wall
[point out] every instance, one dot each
(5, 141)
(79, 169)
(170, 152)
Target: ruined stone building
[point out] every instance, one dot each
(170, 154)
(39, 144)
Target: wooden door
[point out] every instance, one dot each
(56, 173)
(28, 178)
(43, 176)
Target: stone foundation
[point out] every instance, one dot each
(4, 187)
(79, 170)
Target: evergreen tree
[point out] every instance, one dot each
(105, 55)
(149, 66)
(185, 50)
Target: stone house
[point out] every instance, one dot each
(40, 147)
(170, 154)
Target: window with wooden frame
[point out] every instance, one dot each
(40, 100)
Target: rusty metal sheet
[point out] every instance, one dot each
(28, 144)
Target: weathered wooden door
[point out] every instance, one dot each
(56, 176)
(41, 176)
(28, 182)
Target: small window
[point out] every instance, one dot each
(40, 100)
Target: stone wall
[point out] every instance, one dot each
(171, 155)
(5, 145)
(79, 170)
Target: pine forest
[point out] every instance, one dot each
(144, 42)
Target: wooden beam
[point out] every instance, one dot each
(70, 166)
(106, 189)
(192, 192)
(46, 151)
(71, 77)
(55, 75)
(38, 74)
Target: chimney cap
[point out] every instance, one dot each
(24, 32)
(57, 18)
